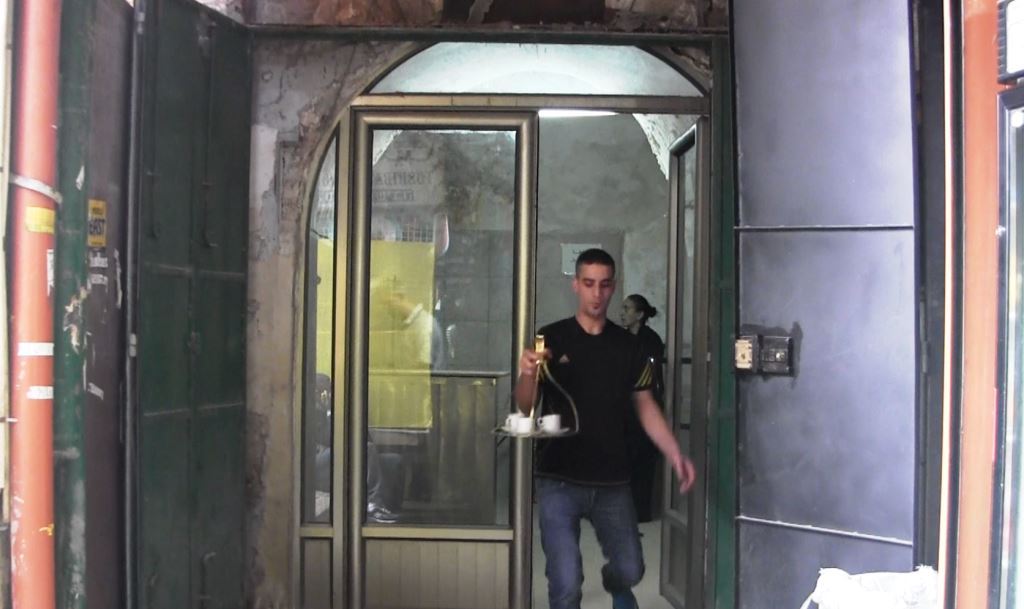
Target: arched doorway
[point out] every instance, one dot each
(469, 173)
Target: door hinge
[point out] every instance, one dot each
(133, 345)
(140, 20)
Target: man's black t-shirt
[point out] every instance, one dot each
(600, 372)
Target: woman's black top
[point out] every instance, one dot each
(654, 351)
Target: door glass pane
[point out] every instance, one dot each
(687, 167)
(678, 502)
(440, 326)
(317, 416)
(603, 181)
(1013, 457)
(688, 200)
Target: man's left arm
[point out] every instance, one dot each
(658, 430)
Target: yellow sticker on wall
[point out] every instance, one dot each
(40, 220)
(97, 223)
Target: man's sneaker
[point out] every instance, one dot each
(624, 600)
(380, 514)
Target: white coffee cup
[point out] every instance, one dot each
(523, 425)
(551, 423)
(512, 421)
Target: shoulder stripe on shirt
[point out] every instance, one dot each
(646, 375)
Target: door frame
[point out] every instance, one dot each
(492, 111)
(351, 257)
(363, 122)
(696, 140)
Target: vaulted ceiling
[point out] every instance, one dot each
(612, 15)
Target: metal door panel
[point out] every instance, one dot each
(823, 112)
(425, 574)
(193, 228)
(109, 118)
(218, 488)
(833, 445)
(164, 336)
(827, 255)
(219, 325)
(223, 215)
(175, 108)
(780, 566)
(164, 557)
(219, 234)
(164, 332)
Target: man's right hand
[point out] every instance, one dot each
(530, 360)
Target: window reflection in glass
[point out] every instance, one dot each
(687, 166)
(440, 326)
(317, 415)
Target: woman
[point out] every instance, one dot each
(636, 311)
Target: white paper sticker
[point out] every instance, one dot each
(117, 277)
(98, 261)
(35, 349)
(572, 251)
(49, 272)
(98, 279)
(96, 391)
(39, 392)
(1015, 36)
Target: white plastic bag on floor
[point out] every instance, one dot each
(837, 589)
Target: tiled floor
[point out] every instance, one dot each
(594, 596)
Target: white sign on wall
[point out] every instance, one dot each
(1014, 36)
(570, 252)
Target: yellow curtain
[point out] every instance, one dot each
(402, 330)
(324, 305)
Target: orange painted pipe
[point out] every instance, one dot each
(34, 158)
(980, 301)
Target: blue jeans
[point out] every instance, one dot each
(610, 510)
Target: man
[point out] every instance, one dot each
(587, 475)
(421, 342)
(405, 347)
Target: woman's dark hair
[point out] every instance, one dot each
(643, 306)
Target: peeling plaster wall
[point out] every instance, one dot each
(300, 88)
(349, 12)
(234, 9)
(619, 15)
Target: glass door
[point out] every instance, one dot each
(442, 261)
(1008, 571)
(687, 392)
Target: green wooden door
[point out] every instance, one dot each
(191, 310)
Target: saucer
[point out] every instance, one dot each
(539, 433)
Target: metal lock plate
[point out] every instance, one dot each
(776, 354)
(758, 354)
(746, 353)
